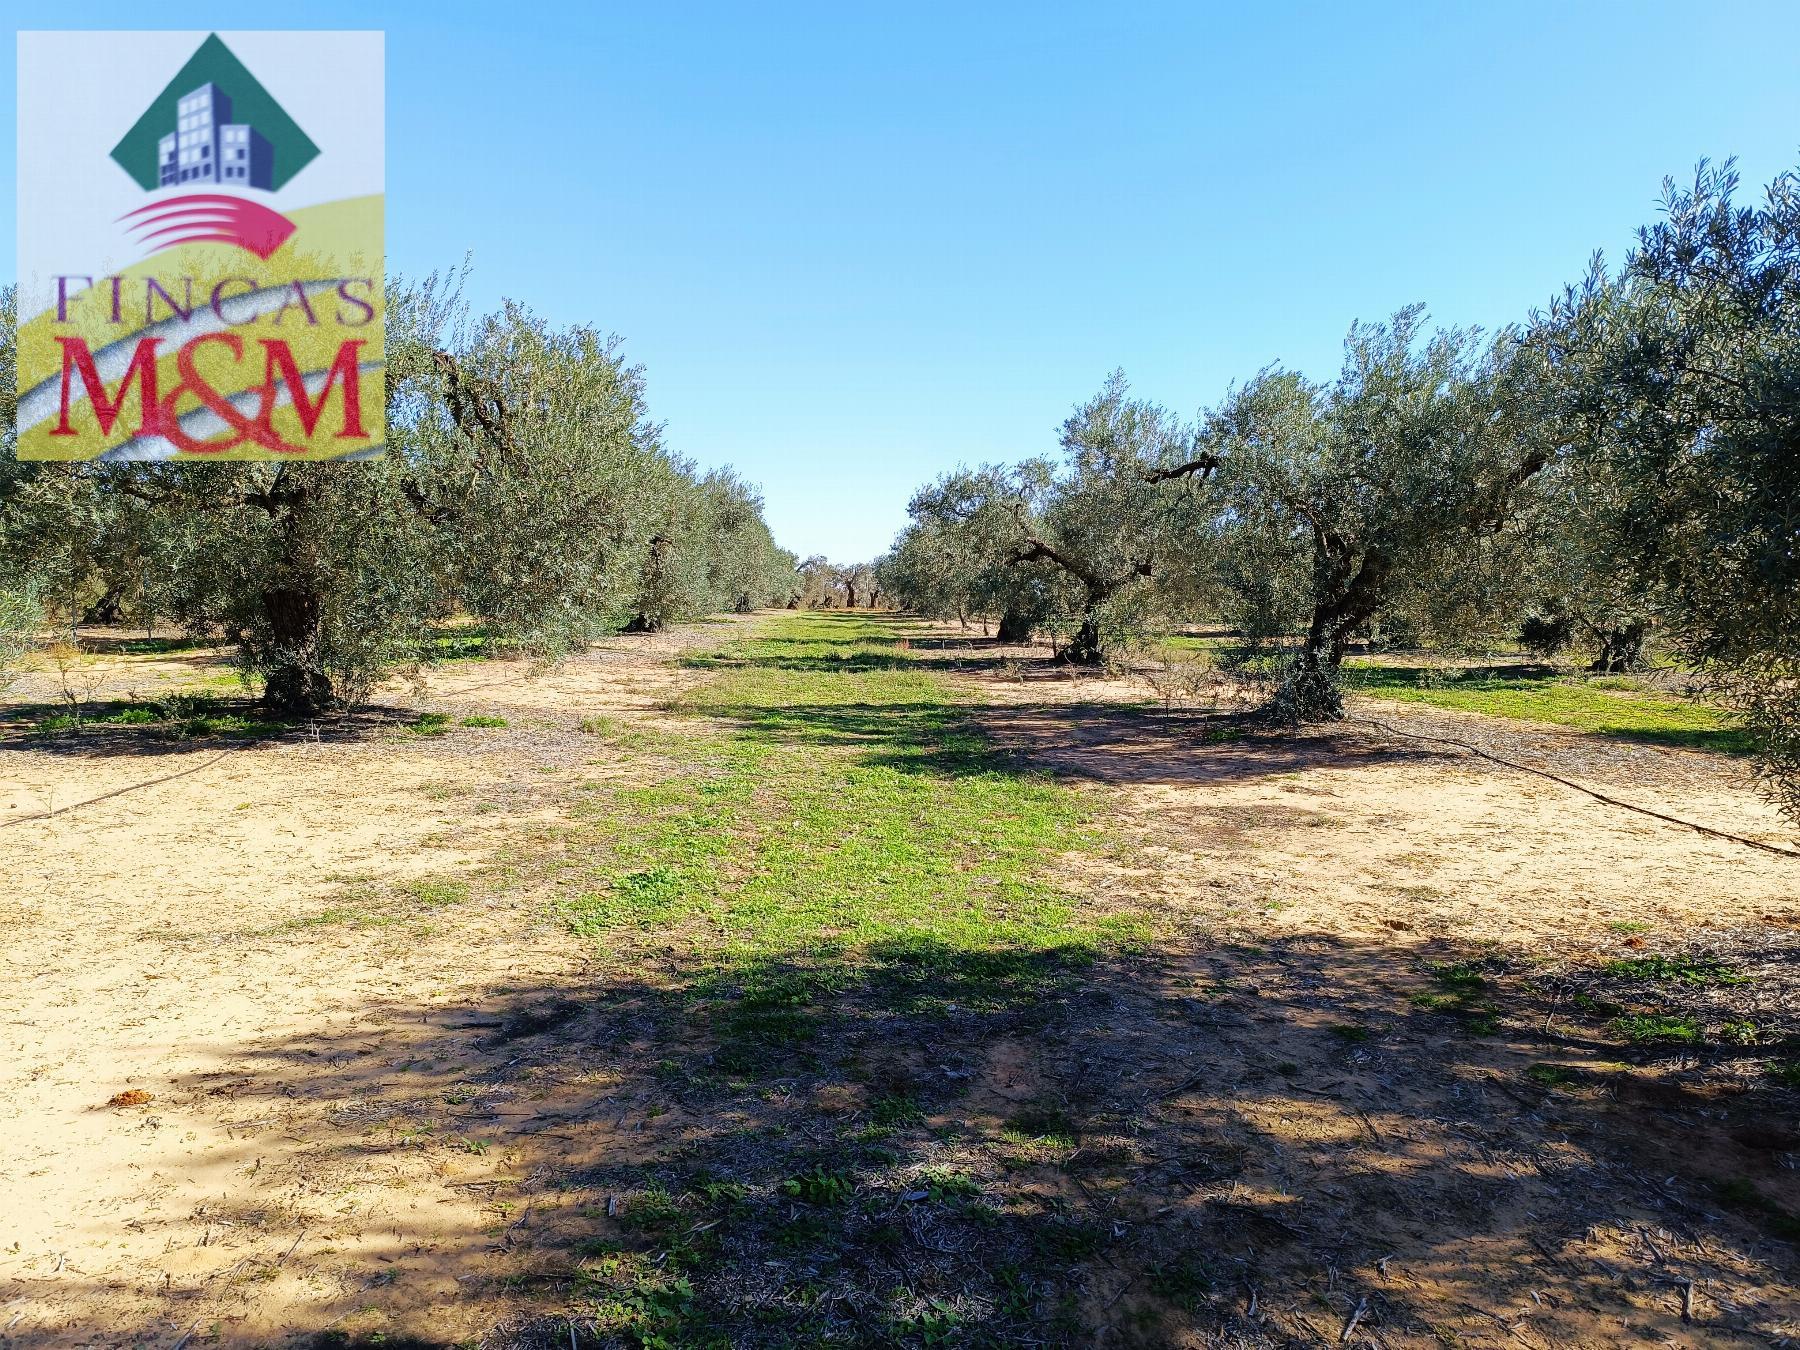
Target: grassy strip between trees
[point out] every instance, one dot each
(1617, 706)
(849, 870)
(832, 808)
(1624, 707)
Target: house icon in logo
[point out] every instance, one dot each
(214, 123)
(208, 147)
(216, 129)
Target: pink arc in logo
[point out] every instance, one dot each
(212, 217)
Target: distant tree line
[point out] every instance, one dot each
(524, 487)
(828, 585)
(1620, 467)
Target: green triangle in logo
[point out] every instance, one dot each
(289, 149)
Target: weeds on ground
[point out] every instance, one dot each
(1462, 989)
(1685, 969)
(820, 1187)
(369, 906)
(1658, 1029)
(180, 716)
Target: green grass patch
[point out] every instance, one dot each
(619, 734)
(438, 893)
(1658, 1029)
(1681, 969)
(632, 1300)
(1462, 990)
(461, 644)
(153, 646)
(651, 1208)
(833, 823)
(354, 916)
(895, 1112)
(1047, 1124)
(1463, 978)
(1619, 707)
(1192, 643)
(645, 898)
(942, 1184)
(484, 721)
(181, 716)
(228, 724)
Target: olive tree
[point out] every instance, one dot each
(19, 612)
(818, 583)
(947, 567)
(1581, 598)
(1685, 372)
(854, 582)
(1381, 491)
(524, 484)
(745, 569)
(709, 550)
(1098, 523)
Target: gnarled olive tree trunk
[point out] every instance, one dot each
(1621, 648)
(293, 604)
(298, 686)
(1015, 627)
(109, 608)
(655, 587)
(1085, 648)
(1310, 689)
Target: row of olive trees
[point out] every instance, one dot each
(828, 585)
(1623, 463)
(20, 615)
(524, 486)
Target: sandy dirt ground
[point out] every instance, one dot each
(1336, 830)
(348, 1125)
(169, 909)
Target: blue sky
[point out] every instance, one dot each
(857, 245)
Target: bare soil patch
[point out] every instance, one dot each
(171, 905)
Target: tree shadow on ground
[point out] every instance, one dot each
(936, 739)
(922, 1145)
(1107, 742)
(803, 655)
(114, 728)
(1104, 743)
(1110, 743)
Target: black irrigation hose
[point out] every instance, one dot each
(1598, 796)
